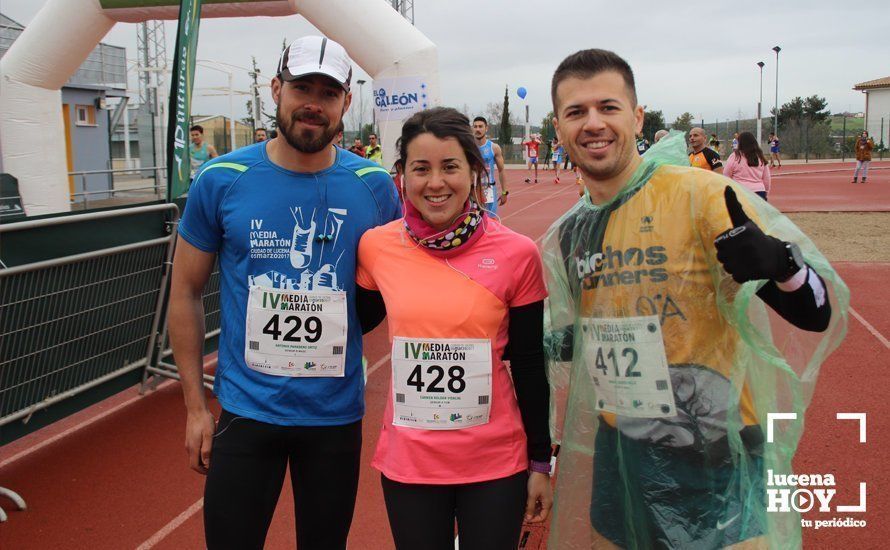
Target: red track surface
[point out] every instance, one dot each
(826, 187)
(121, 480)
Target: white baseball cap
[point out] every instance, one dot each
(315, 55)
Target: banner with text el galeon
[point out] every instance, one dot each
(179, 165)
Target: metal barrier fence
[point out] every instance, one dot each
(146, 183)
(72, 323)
(162, 366)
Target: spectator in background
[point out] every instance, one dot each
(338, 140)
(531, 152)
(558, 153)
(259, 135)
(199, 151)
(714, 143)
(702, 156)
(493, 158)
(660, 134)
(735, 142)
(774, 150)
(358, 148)
(374, 152)
(864, 145)
(747, 165)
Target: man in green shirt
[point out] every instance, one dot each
(374, 152)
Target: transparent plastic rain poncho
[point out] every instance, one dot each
(665, 447)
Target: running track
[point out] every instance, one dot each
(115, 475)
(826, 187)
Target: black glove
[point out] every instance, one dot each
(746, 252)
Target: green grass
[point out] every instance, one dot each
(854, 125)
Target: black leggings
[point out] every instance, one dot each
(247, 465)
(489, 514)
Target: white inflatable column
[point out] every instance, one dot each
(64, 32)
(33, 71)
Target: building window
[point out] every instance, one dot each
(84, 115)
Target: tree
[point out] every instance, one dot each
(505, 136)
(793, 110)
(271, 123)
(653, 121)
(683, 122)
(548, 132)
(366, 131)
(492, 113)
(815, 108)
(248, 120)
(805, 125)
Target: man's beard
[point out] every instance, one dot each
(305, 141)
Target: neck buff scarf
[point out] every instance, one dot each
(444, 242)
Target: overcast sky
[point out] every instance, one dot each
(695, 56)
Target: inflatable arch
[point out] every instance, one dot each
(64, 32)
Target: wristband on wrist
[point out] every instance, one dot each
(539, 467)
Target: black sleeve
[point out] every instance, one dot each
(526, 342)
(806, 308)
(370, 308)
(713, 158)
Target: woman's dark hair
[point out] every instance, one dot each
(442, 122)
(749, 147)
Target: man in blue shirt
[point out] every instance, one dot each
(494, 161)
(284, 218)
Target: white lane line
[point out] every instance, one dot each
(172, 526)
(78, 427)
(826, 171)
(870, 328)
(511, 214)
(378, 364)
(194, 508)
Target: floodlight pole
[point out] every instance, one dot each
(759, 103)
(527, 126)
(361, 110)
(777, 49)
(207, 64)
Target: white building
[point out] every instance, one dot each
(877, 108)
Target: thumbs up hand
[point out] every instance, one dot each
(746, 252)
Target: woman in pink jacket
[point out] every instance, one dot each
(747, 165)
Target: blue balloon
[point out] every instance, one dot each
(521, 92)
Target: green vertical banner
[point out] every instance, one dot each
(178, 161)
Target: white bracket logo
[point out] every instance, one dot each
(771, 417)
(855, 416)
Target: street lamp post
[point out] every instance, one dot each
(777, 49)
(361, 109)
(759, 103)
